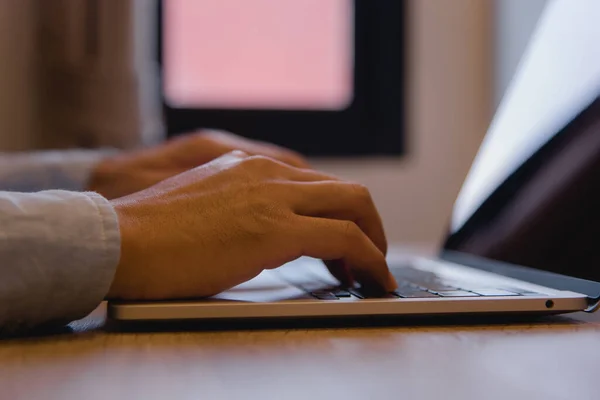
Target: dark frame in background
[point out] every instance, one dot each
(374, 123)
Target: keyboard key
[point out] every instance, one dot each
(529, 293)
(413, 294)
(405, 283)
(361, 294)
(341, 293)
(458, 293)
(423, 280)
(413, 275)
(440, 288)
(494, 292)
(356, 292)
(324, 295)
(523, 292)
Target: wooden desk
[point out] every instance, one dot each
(556, 358)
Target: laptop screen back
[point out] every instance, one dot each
(532, 194)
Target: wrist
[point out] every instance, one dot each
(124, 274)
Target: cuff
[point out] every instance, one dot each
(59, 252)
(48, 170)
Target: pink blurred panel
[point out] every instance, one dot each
(283, 54)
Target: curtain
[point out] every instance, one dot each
(98, 73)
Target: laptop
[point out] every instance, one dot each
(510, 246)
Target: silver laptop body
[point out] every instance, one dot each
(304, 288)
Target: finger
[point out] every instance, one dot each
(279, 153)
(231, 158)
(279, 169)
(291, 158)
(256, 147)
(238, 154)
(308, 175)
(341, 271)
(342, 201)
(287, 156)
(343, 240)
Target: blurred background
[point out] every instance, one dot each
(396, 94)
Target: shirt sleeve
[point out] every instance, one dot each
(58, 254)
(44, 170)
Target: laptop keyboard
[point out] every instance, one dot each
(415, 283)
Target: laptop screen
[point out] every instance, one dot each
(530, 196)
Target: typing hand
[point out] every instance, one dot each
(133, 171)
(218, 225)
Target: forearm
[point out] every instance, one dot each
(58, 255)
(35, 171)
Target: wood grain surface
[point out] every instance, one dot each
(551, 358)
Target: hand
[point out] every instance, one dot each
(218, 225)
(134, 171)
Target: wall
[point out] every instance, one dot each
(450, 104)
(464, 55)
(17, 75)
(449, 97)
(33, 88)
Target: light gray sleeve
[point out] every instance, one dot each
(58, 254)
(44, 170)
